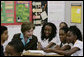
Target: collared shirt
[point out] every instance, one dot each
(62, 44)
(23, 40)
(78, 44)
(45, 42)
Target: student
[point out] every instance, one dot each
(63, 24)
(63, 35)
(73, 36)
(14, 48)
(48, 36)
(4, 37)
(26, 38)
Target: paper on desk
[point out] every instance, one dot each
(41, 52)
(37, 51)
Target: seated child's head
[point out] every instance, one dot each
(63, 34)
(27, 29)
(73, 34)
(48, 31)
(13, 49)
(4, 34)
(63, 24)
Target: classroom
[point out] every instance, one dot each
(38, 24)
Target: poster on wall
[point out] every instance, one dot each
(7, 12)
(76, 14)
(39, 12)
(16, 12)
(22, 11)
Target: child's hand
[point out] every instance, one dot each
(68, 46)
(39, 46)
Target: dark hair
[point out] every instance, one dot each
(53, 33)
(64, 23)
(65, 29)
(27, 26)
(3, 28)
(17, 47)
(76, 32)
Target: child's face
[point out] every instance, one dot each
(62, 36)
(28, 33)
(70, 37)
(9, 51)
(4, 36)
(47, 30)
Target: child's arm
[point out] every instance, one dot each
(66, 47)
(66, 53)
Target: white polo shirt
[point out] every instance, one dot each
(45, 42)
(78, 44)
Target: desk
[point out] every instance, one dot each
(37, 54)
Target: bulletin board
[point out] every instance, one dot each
(39, 12)
(76, 14)
(7, 12)
(16, 12)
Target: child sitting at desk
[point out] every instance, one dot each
(63, 35)
(48, 36)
